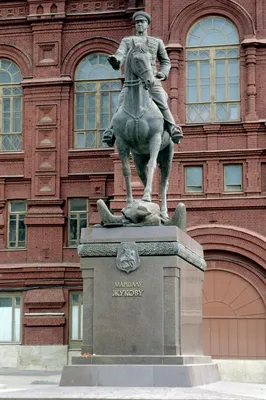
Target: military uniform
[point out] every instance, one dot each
(157, 52)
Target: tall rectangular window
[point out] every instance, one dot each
(78, 219)
(76, 319)
(97, 88)
(213, 84)
(10, 318)
(233, 178)
(10, 106)
(193, 179)
(16, 226)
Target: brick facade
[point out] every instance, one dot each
(47, 39)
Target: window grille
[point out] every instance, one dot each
(10, 106)
(97, 87)
(212, 84)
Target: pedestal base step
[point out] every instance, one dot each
(141, 360)
(140, 375)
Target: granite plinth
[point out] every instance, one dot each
(140, 375)
(143, 360)
(142, 328)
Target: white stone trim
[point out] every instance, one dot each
(44, 314)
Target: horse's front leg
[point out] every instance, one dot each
(124, 155)
(155, 144)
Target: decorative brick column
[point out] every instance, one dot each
(2, 224)
(46, 100)
(251, 60)
(174, 51)
(45, 327)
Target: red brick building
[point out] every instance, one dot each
(57, 95)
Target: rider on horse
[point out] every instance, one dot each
(157, 51)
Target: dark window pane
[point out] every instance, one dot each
(5, 77)
(5, 302)
(194, 179)
(78, 204)
(233, 177)
(18, 301)
(75, 299)
(18, 206)
(12, 231)
(22, 230)
(83, 223)
(73, 228)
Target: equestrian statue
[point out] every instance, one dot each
(143, 124)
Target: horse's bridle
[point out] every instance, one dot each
(136, 82)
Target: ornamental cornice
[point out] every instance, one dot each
(177, 47)
(64, 80)
(90, 153)
(221, 203)
(220, 154)
(145, 249)
(253, 42)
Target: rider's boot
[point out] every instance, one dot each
(109, 137)
(108, 134)
(174, 130)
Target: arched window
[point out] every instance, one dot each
(212, 55)
(10, 106)
(97, 88)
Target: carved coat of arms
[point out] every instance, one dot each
(127, 258)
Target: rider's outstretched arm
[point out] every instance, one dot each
(119, 57)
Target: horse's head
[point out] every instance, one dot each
(140, 63)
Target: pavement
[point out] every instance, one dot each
(28, 384)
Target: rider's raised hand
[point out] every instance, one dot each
(115, 63)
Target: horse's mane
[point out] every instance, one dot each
(142, 47)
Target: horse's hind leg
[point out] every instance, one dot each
(124, 157)
(165, 157)
(155, 144)
(141, 161)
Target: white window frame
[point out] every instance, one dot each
(207, 54)
(18, 214)
(77, 341)
(186, 167)
(74, 242)
(94, 88)
(14, 297)
(11, 91)
(240, 184)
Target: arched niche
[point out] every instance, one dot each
(80, 50)
(189, 15)
(231, 239)
(12, 53)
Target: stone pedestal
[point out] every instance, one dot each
(142, 328)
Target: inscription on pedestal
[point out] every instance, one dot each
(128, 289)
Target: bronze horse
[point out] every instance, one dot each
(139, 128)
